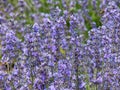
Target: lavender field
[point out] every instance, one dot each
(59, 44)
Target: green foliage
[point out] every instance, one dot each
(95, 16)
(94, 12)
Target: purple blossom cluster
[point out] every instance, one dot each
(103, 50)
(54, 53)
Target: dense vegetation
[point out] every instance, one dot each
(59, 45)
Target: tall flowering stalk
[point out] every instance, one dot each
(103, 50)
(11, 50)
(112, 25)
(76, 30)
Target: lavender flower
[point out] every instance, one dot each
(11, 47)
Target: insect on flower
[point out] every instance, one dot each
(7, 67)
(101, 11)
